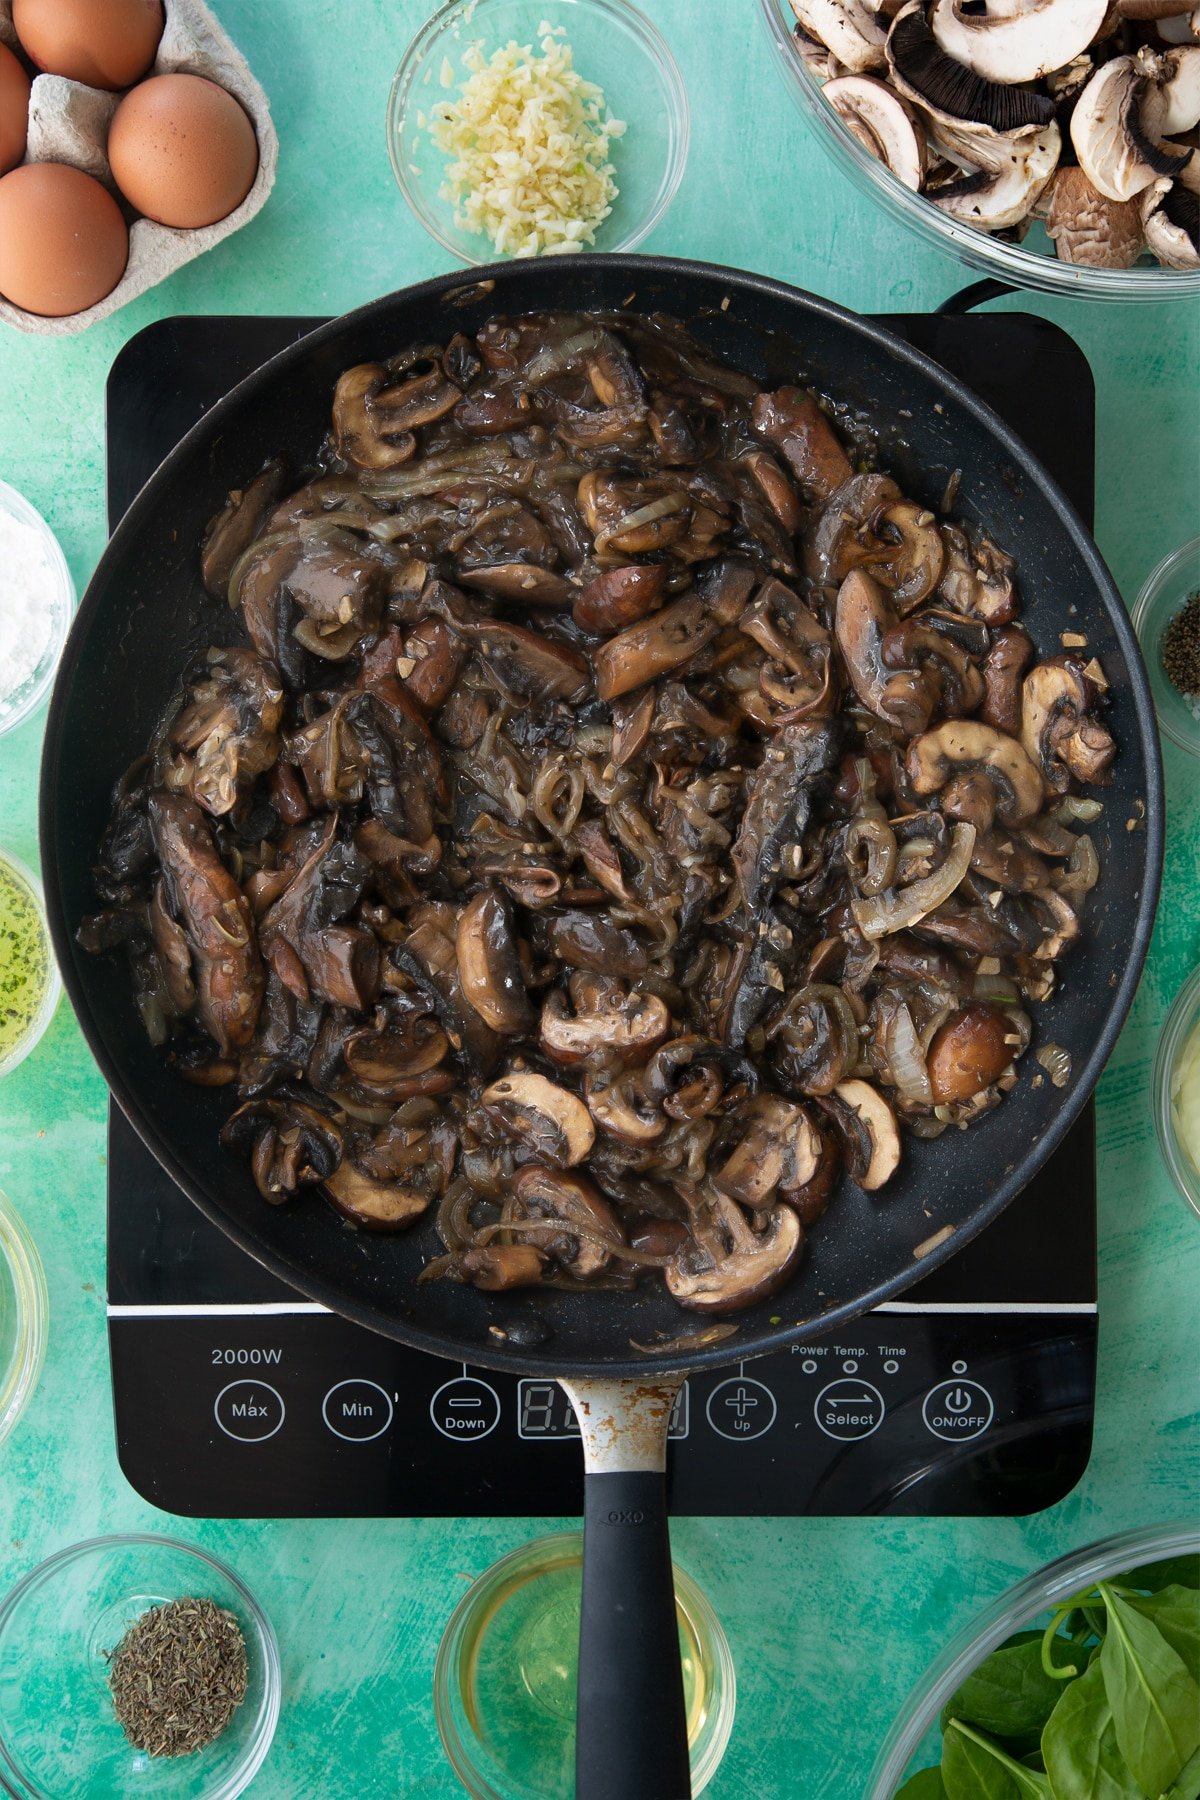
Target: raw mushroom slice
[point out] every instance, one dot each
(1005, 174)
(1170, 215)
(1117, 131)
(1086, 227)
(1181, 28)
(883, 123)
(947, 89)
(849, 30)
(1015, 40)
(1178, 75)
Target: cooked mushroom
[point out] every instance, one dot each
(554, 1121)
(289, 1143)
(967, 1053)
(216, 917)
(903, 698)
(588, 1229)
(967, 744)
(872, 1135)
(778, 1148)
(371, 1204)
(608, 1022)
(742, 1265)
(1021, 41)
(791, 420)
(1058, 733)
(1009, 656)
(362, 437)
(883, 123)
(489, 967)
(619, 597)
(913, 567)
(850, 29)
(978, 578)
(237, 524)
(1118, 128)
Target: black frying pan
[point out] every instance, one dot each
(145, 614)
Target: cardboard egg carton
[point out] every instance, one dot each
(68, 122)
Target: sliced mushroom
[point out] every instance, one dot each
(619, 597)
(360, 436)
(778, 1149)
(873, 1152)
(979, 579)
(496, 1268)
(962, 744)
(1057, 732)
(522, 582)
(1015, 40)
(237, 524)
(850, 29)
(1117, 129)
(607, 1023)
(791, 420)
(862, 619)
(342, 964)
(371, 1204)
(1009, 656)
(844, 537)
(883, 123)
(948, 90)
(547, 1196)
(174, 951)
(967, 1053)
(1006, 173)
(913, 644)
(290, 1144)
(912, 569)
(401, 1060)
(489, 967)
(1177, 73)
(1169, 214)
(621, 1107)
(743, 1265)
(553, 1121)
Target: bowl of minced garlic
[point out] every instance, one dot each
(520, 130)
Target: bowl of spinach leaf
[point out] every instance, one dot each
(1081, 1683)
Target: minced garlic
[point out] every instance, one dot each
(529, 143)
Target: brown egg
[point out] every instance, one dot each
(14, 110)
(182, 150)
(107, 43)
(63, 242)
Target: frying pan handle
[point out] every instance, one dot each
(977, 294)
(631, 1722)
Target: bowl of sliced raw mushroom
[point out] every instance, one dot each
(1052, 143)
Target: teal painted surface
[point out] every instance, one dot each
(830, 1622)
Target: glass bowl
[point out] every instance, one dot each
(58, 601)
(914, 1740)
(59, 1736)
(1178, 1039)
(24, 1312)
(613, 44)
(504, 1681)
(1163, 593)
(1023, 264)
(38, 987)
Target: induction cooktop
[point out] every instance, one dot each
(234, 1397)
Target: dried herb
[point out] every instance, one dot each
(178, 1676)
(1181, 647)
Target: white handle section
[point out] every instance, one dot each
(624, 1423)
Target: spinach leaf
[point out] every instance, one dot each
(928, 1785)
(1176, 1612)
(1080, 1745)
(1182, 1571)
(1155, 1702)
(974, 1768)
(1009, 1693)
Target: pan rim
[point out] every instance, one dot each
(482, 1353)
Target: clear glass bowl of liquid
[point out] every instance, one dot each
(23, 1314)
(30, 986)
(504, 1681)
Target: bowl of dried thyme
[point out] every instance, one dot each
(134, 1664)
(1166, 617)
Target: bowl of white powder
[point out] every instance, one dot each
(37, 599)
